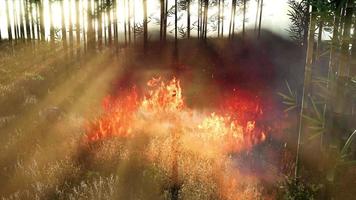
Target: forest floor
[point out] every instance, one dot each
(47, 96)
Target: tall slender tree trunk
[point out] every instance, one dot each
(116, 34)
(38, 26)
(32, 8)
(188, 18)
(219, 17)
(42, 26)
(77, 26)
(165, 21)
(232, 19)
(110, 21)
(222, 18)
(206, 9)
(346, 39)
(306, 89)
(244, 19)
(27, 19)
(199, 14)
(145, 28)
(51, 22)
(9, 31)
(22, 25)
(175, 22)
(125, 22)
(260, 20)
(129, 20)
(161, 20)
(320, 35)
(71, 34)
(100, 24)
(64, 30)
(334, 42)
(257, 12)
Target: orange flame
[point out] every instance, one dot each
(163, 100)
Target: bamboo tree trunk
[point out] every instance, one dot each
(100, 24)
(38, 27)
(64, 30)
(71, 36)
(233, 21)
(244, 19)
(42, 26)
(175, 22)
(188, 18)
(199, 21)
(320, 35)
(206, 9)
(161, 20)
(353, 53)
(129, 20)
(77, 26)
(222, 18)
(125, 22)
(110, 22)
(345, 55)
(219, 17)
(260, 20)
(22, 26)
(165, 21)
(145, 28)
(51, 23)
(27, 19)
(32, 8)
(257, 12)
(306, 90)
(9, 31)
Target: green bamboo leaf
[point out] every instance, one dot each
(315, 108)
(285, 96)
(314, 136)
(311, 119)
(348, 142)
(289, 103)
(290, 108)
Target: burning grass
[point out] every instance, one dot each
(189, 148)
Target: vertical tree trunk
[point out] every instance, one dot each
(206, 9)
(320, 35)
(38, 27)
(199, 14)
(306, 89)
(27, 19)
(257, 12)
(161, 20)
(188, 18)
(219, 17)
(22, 25)
(64, 30)
(232, 19)
(100, 24)
(77, 26)
(129, 20)
(222, 18)
(51, 22)
(175, 22)
(109, 11)
(32, 9)
(244, 19)
(125, 22)
(260, 20)
(145, 31)
(334, 42)
(116, 34)
(165, 21)
(90, 31)
(42, 26)
(9, 31)
(71, 34)
(134, 22)
(345, 55)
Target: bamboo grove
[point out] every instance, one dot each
(326, 104)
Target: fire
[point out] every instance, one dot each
(234, 125)
(196, 142)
